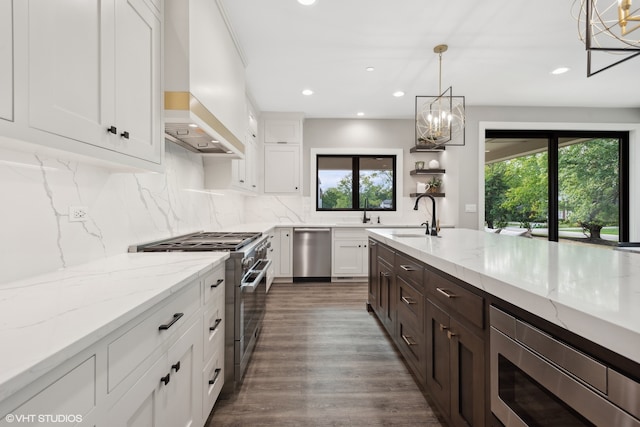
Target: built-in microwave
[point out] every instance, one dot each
(537, 380)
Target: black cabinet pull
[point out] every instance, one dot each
(215, 377)
(242, 181)
(125, 135)
(215, 325)
(166, 379)
(112, 129)
(176, 317)
(215, 285)
(176, 367)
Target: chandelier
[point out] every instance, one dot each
(439, 119)
(606, 26)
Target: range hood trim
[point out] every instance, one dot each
(184, 107)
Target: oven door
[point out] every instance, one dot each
(253, 290)
(529, 389)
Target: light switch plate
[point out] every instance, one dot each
(471, 207)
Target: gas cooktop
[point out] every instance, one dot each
(201, 242)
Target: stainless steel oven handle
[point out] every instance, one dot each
(251, 286)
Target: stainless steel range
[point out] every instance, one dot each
(245, 290)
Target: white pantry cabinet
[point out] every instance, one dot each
(6, 60)
(88, 79)
(282, 168)
(349, 255)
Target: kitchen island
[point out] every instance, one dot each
(438, 298)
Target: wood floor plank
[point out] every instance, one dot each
(322, 360)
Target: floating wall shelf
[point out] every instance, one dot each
(427, 172)
(431, 194)
(416, 149)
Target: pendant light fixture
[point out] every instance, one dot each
(439, 119)
(608, 26)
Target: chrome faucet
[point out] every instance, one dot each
(365, 219)
(434, 231)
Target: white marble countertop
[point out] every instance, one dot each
(46, 319)
(590, 291)
(263, 227)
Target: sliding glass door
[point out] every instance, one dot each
(560, 185)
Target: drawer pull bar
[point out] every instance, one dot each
(407, 268)
(176, 317)
(409, 340)
(166, 379)
(451, 334)
(215, 285)
(445, 293)
(176, 367)
(384, 274)
(407, 301)
(215, 325)
(215, 377)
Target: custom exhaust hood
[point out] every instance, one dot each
(204, 100)
(190, 124)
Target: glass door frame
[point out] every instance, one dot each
(553, 137)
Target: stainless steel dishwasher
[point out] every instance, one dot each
(311, 254)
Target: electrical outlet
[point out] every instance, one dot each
(78, 213)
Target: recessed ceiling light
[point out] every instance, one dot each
(360, 114)
(229, 152)
(398, 94)
(193, 125)
(369, 68)
(307, 92)
(560, 70)
(215, 141)
(306, 2)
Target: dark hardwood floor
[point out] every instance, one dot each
(322, 360)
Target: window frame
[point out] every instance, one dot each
(355, 182)
(354, 215)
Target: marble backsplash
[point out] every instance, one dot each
(130, 208)
(123, 209)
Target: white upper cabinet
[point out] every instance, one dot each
(94, 73)
(282, 168)
(87, 78)
(138, 87)
(6, 60)
(282, 131)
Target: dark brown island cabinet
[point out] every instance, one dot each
(441, 326)
(438, 325)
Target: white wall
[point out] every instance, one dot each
(124, 209)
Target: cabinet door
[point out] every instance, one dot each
(386, 309)
(6, 60)
(70, 91)
(438, 356)
(282, 169)
(282, 130)
(348, 258)
(373, 274)
(137, 80)
(184, 392)
(467, 377)
(142, 404)
(285, 243)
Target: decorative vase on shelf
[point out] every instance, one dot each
(419, 165)
(434, 164)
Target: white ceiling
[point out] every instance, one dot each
(500, 53)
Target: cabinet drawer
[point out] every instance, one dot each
(456, 298)
(410, 305)
(410, 270)
(411, 343)
(126, 352)
(212, 381)
(214, 284)
(72, 394)
(213, 331)
(386, 254)
(350, 233)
